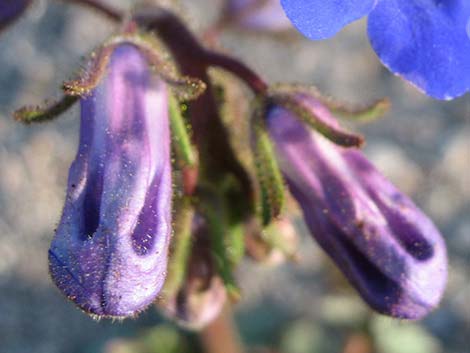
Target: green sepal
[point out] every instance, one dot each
(49, 111)
(362, 113)
(235, 243)
(335, 134)
(212, 207)
(181, 141)
(184, 152)
(271, 192)
(234, 111)
(277, 238)
(183, 87)
(358, 112)
(271, 182)
(180, 248)
(90, 76)
(234, 218)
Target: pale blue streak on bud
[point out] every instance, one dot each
(109, 254)
(263, 15)
(11, 9)
(388, 249)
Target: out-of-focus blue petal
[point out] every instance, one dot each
(320, 19)
(427, 42)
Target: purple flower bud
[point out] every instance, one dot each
(10, 10)
(387, 248)
(109, 254)
(264, 15)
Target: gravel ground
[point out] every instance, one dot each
(422, 145)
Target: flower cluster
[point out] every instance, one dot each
(426, 42)
(170, 187)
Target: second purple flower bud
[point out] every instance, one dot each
(388, 249)
(109, 254)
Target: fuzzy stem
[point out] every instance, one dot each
(220, 336)
(251, 78)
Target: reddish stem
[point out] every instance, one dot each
(220, 335)
(251, 78)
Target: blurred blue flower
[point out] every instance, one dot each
(110, 251)
(427, 42)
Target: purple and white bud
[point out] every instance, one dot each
(262, 15)
(109, 253)
(388, 249)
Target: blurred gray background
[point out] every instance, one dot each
(422, 145)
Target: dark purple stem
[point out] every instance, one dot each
(251, 78)
(158, 19)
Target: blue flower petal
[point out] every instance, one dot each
(320, 19)
(427, 42)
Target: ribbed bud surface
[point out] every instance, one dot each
(109, 254)
(388, 249)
